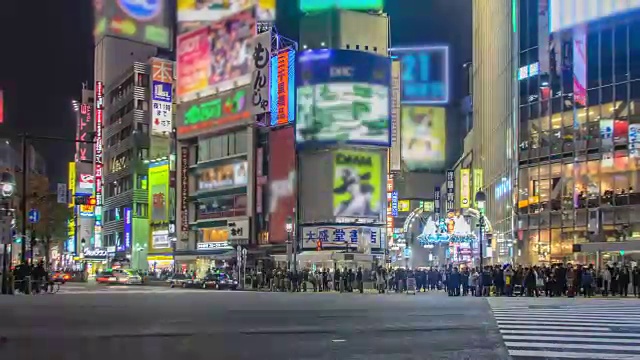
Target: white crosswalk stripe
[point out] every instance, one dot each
(70, 290)
(561, 328)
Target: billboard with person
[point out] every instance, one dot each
(423, 137)
(357, 184)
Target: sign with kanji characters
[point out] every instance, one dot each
(161, 108)
(450, 200)
(238, 229)
(340, 236)
(260, 79)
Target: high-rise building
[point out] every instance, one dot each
(489, 147)
(578, 90)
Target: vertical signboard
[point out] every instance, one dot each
(394, 203)
(634, 140)
(260, 79)
(127, 229)
(260, 179)
(184, 188)
(465, 188)
(450, 191)
(395, 155)
(282, 182)
(1, 106)
(97, 159)
(436, 200)
(72, 184)
(84, 151)
(580, 65)
(283, 75)
(477, 182)
(159, 192)
(161, 108)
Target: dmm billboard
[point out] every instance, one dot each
(425, 74)
(343, 97)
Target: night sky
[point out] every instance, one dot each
(47, 52)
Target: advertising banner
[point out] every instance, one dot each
(357, 187)
(1, 106)
(580, 65)
(161, 108)
(404, 205)
(634, 140)
(477, 183)
(84, 151)
(223, 176)
(147, 21)
(437, 202)
(216, 57)
(159, 191)
(99, 98)
(320, 5)
(222, 207)
(451, 191)
(566, 14)
(395, 159)
(282, 182)
(72, 184)
(261, 77)
(283, 92)
(160, 239)
(128, 226)
(220, 112)
(238, 230)
(193, 14)
(340, 236)
(423, 137)
(343, 97)
(85, 184)
(394, 203)
(425, 74)
(465, 188)
(184, 189)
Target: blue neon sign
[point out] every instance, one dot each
(142, 10)
(127, 228)
(394, 204)
(425, 74)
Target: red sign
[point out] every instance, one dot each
(283, 88)
(98, 146)
(282, 182)
(184, 188)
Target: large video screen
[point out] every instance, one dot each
(146, 21)
(425, 74)
(223, 176)
(566, 14)
(217, 57)
(194, 14)
(423, 137)
(343, 97)
(357, 184)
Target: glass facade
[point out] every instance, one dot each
(579, 114)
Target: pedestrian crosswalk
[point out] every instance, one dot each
(561, 328)
(71, 289)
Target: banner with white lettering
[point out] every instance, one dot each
(261, 77)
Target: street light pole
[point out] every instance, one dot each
(23, 199)
(291, 252)
(481, 200)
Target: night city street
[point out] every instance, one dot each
(242, 325)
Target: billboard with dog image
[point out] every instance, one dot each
(357, 184)
(423, 137)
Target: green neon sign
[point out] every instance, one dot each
(216, 108)
(319, 5)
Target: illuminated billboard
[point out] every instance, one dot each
(357, 184)
(425, 74)
(223, 176)
(213, 113)
(145, 21)
(193, 14)
(217, 57)
(84, 151)
(343, 97)
(566, 14)
(423, 137)
(261, 75)
(1, 107)
(320, 5)
(184, 189)
(159, 191)
(283, 92)
(282, 182)
(161, 97)
(98, 161)
(465, 188)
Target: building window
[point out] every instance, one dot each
(357, 47)
(141, 210)
(375, 49)
(348, 46)
(142, 182)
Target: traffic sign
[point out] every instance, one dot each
(34, 216)
(5, 230)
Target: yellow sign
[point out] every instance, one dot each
(404, 205)
(477, 181)
(465, 188)
(427, 206)
(72, 184)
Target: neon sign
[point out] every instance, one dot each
(424, 75)
(99, 96)
(226, 109)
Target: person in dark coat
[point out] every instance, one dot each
(453, 283)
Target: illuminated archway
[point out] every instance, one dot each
(417, 212)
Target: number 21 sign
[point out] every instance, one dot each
(424, 75)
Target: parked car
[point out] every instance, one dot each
(219, 281)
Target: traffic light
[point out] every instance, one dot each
(318, 245)
(85, 200)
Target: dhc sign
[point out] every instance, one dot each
(424, 74)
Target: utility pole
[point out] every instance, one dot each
(23, 199)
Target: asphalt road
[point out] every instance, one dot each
(199, 324)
